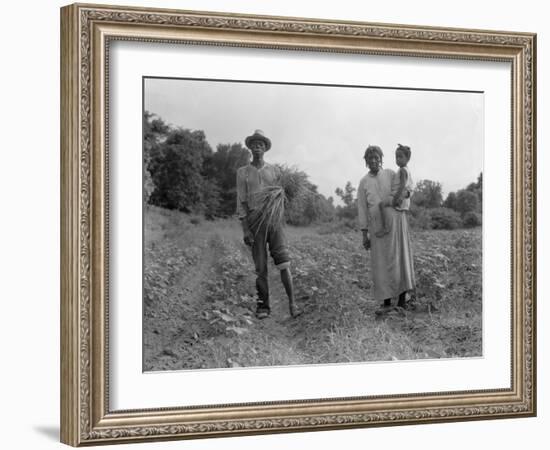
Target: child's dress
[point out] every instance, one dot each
(406, 203)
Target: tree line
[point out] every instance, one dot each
(183, 172)
(462, 208)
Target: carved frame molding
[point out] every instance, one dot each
(86, 32)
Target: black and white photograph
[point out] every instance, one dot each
(297, 224)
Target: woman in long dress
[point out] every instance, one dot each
(391, 253)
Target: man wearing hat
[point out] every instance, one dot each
(251, 179)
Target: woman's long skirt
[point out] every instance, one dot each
(392, 258)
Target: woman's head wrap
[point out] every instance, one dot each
(373, 149)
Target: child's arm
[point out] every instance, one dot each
(398, 197)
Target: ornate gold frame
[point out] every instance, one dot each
(86, 31)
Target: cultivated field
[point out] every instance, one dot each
(199, 298)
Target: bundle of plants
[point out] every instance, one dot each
(294, 183)
(271, 201)
(270, 210)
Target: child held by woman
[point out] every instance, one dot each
(401, 187)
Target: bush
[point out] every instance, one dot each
(466, 201)
(420, 218)
(303, 203)
(472, 219)
(445, 219)
(310, 208)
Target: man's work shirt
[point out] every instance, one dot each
(251, 180)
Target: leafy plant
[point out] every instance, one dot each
(445, 219)
(427, 194)
(472, 219)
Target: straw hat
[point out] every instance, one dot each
(258, 136)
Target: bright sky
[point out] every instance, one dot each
(324, 130)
